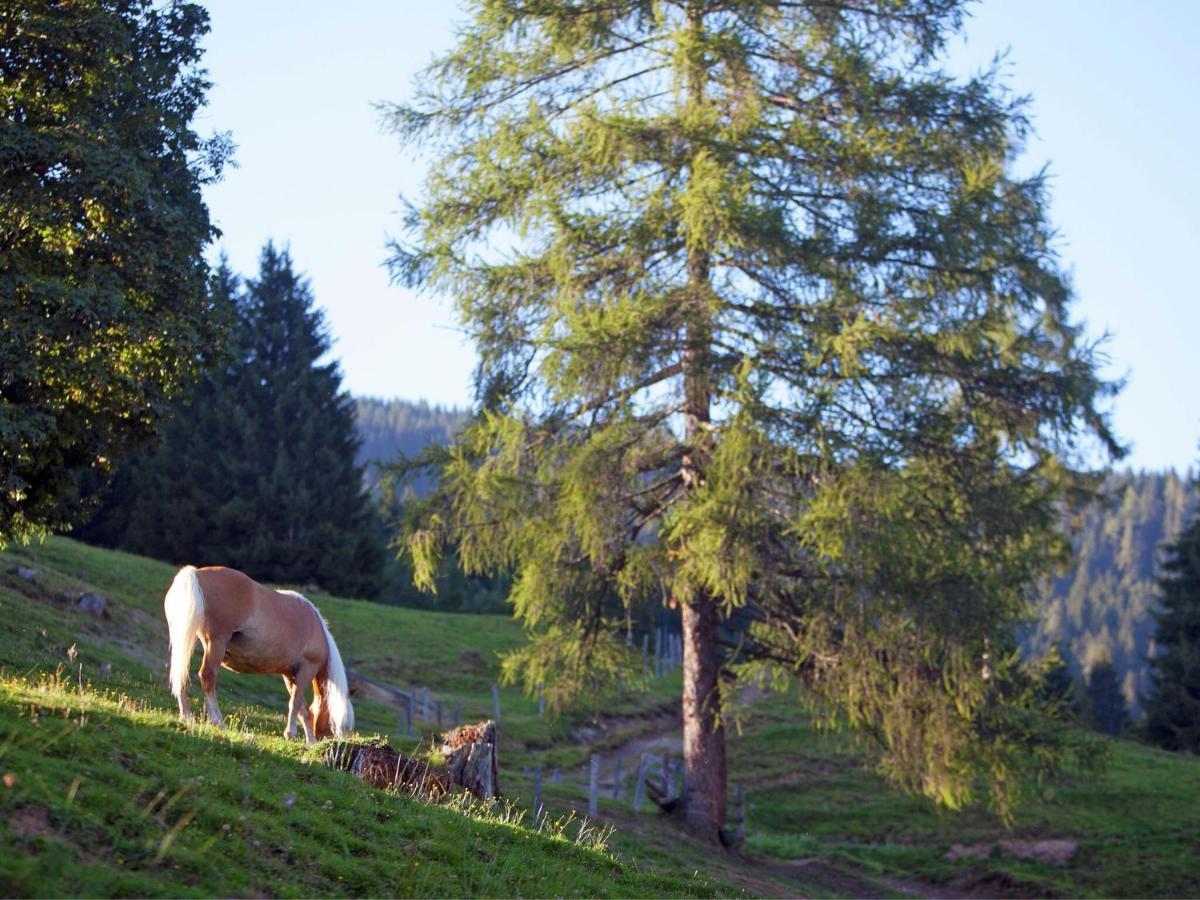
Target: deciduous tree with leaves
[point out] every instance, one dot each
(104, 316)
(767, 324)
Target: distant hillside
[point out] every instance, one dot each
(392, 427)
(1100, 608)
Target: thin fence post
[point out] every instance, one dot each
(408, 715)
(617, 779)
(496, 703)
(425, 704)
(646, 655)
(537, 797)
(658, 668)
(594, 786)
(638, 784)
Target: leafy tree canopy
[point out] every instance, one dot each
(766, 324)
(103, 311)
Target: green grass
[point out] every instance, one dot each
(812, 794)
(112, 796)
(106, 793)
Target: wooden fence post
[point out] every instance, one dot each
(639, 784)
(537, 798)
(594, 786)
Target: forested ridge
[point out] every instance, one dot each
(391, 427)
(1100, 607)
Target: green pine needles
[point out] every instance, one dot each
(765, 324)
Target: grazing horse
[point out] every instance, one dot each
(246, 627)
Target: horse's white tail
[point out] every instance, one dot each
(337, 687)
(184, 606)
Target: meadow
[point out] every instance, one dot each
(105, 793)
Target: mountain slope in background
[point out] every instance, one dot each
(1099, 609)
(392, 427)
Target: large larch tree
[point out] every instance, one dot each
(767, 325)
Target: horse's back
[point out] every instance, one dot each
(231, 598)
(270, 630)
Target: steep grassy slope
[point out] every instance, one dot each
(103, 792)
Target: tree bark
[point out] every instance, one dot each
(703, 731)
(703, 799)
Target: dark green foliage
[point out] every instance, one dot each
(768, 325)
(1173, 705)
(257, 470)
(1106, 703)
(103, 312)
(1101, 607)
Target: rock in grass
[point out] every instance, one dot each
(1055, 852)
(94, 604)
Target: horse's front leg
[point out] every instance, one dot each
(214, 652)
(297, 708)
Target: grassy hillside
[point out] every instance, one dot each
(104, 793)
(110, 795)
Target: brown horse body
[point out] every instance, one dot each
(248, 628)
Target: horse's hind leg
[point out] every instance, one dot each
(185, 707)
(297, 708)
(214, 652)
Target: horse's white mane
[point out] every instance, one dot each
(337, 687)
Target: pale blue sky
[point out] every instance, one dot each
(1116, 105)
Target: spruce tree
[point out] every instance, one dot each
(1109, 713)
(1172, 710)
(258, 468)
(766, 325)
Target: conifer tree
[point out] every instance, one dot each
(1173, 707)
(1109, 713)
(258, 468)
(766, 325)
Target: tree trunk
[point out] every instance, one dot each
(703, 732)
